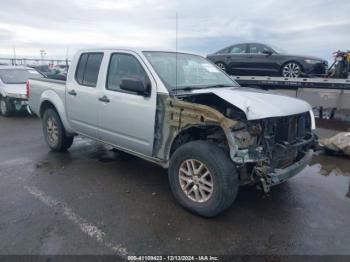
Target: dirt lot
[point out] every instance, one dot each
(92, 200)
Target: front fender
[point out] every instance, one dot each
(53, 98)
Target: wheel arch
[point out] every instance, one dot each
(50, 99)
(195, 133)
(46, 104)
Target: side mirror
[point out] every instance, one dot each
(267, 52)
(135, 85)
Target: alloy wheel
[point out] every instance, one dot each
(52, 130)
(221, 66)
(196, 180)
(291, 70)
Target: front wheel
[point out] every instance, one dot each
(203, 178)
(221, 65)
(6, 107)
(291, 69)
(54, 132)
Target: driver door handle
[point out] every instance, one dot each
(72, 92)
(104, 99)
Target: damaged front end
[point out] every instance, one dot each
(266, 151)
(280, 148)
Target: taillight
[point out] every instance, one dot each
(27, 89)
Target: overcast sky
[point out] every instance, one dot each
(315, 27)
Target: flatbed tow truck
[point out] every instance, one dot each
(329, 97)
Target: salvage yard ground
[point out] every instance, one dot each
(92, 200)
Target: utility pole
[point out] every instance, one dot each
(42, 54)
(14, 56)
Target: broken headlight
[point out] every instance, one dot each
(255, 129)
(247, 135)
(243, 139)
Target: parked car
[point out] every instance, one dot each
(52, 73)
(60, 76)
(43, 69)
(181, 112)
(13, 92)
(263, 60)
(57, 72)
(61, 69)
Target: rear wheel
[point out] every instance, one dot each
(6, 107)
(203, 178)
(291, 69)
(221, 65)
(54, 132)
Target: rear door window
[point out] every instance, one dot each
(239, 49)
(88, 68)
(258, 49)
(79, 75)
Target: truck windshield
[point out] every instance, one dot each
(17, 76)
(193, 72)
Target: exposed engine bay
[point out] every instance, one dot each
(258, 147)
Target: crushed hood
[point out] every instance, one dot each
(259, 104)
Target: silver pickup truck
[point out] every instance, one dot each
(180, 111)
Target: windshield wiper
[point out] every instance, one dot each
(189, 88)
(217, 86)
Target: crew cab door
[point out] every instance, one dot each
(82, 93)
(127, 119)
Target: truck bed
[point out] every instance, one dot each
(42, 88)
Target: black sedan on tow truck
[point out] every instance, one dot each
(263, 60)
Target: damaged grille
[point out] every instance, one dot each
(289, 130)
(283, 133)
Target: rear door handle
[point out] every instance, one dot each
(104, 99)
(72, 92)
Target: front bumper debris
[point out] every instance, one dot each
(281, 175)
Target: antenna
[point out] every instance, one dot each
(67, 50)
(176, 29)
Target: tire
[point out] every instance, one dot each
(221, 65)
(6, 107)
(54, 133)
(222, 172)
(339, 70)
(291, 69)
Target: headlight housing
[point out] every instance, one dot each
(243, 139)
